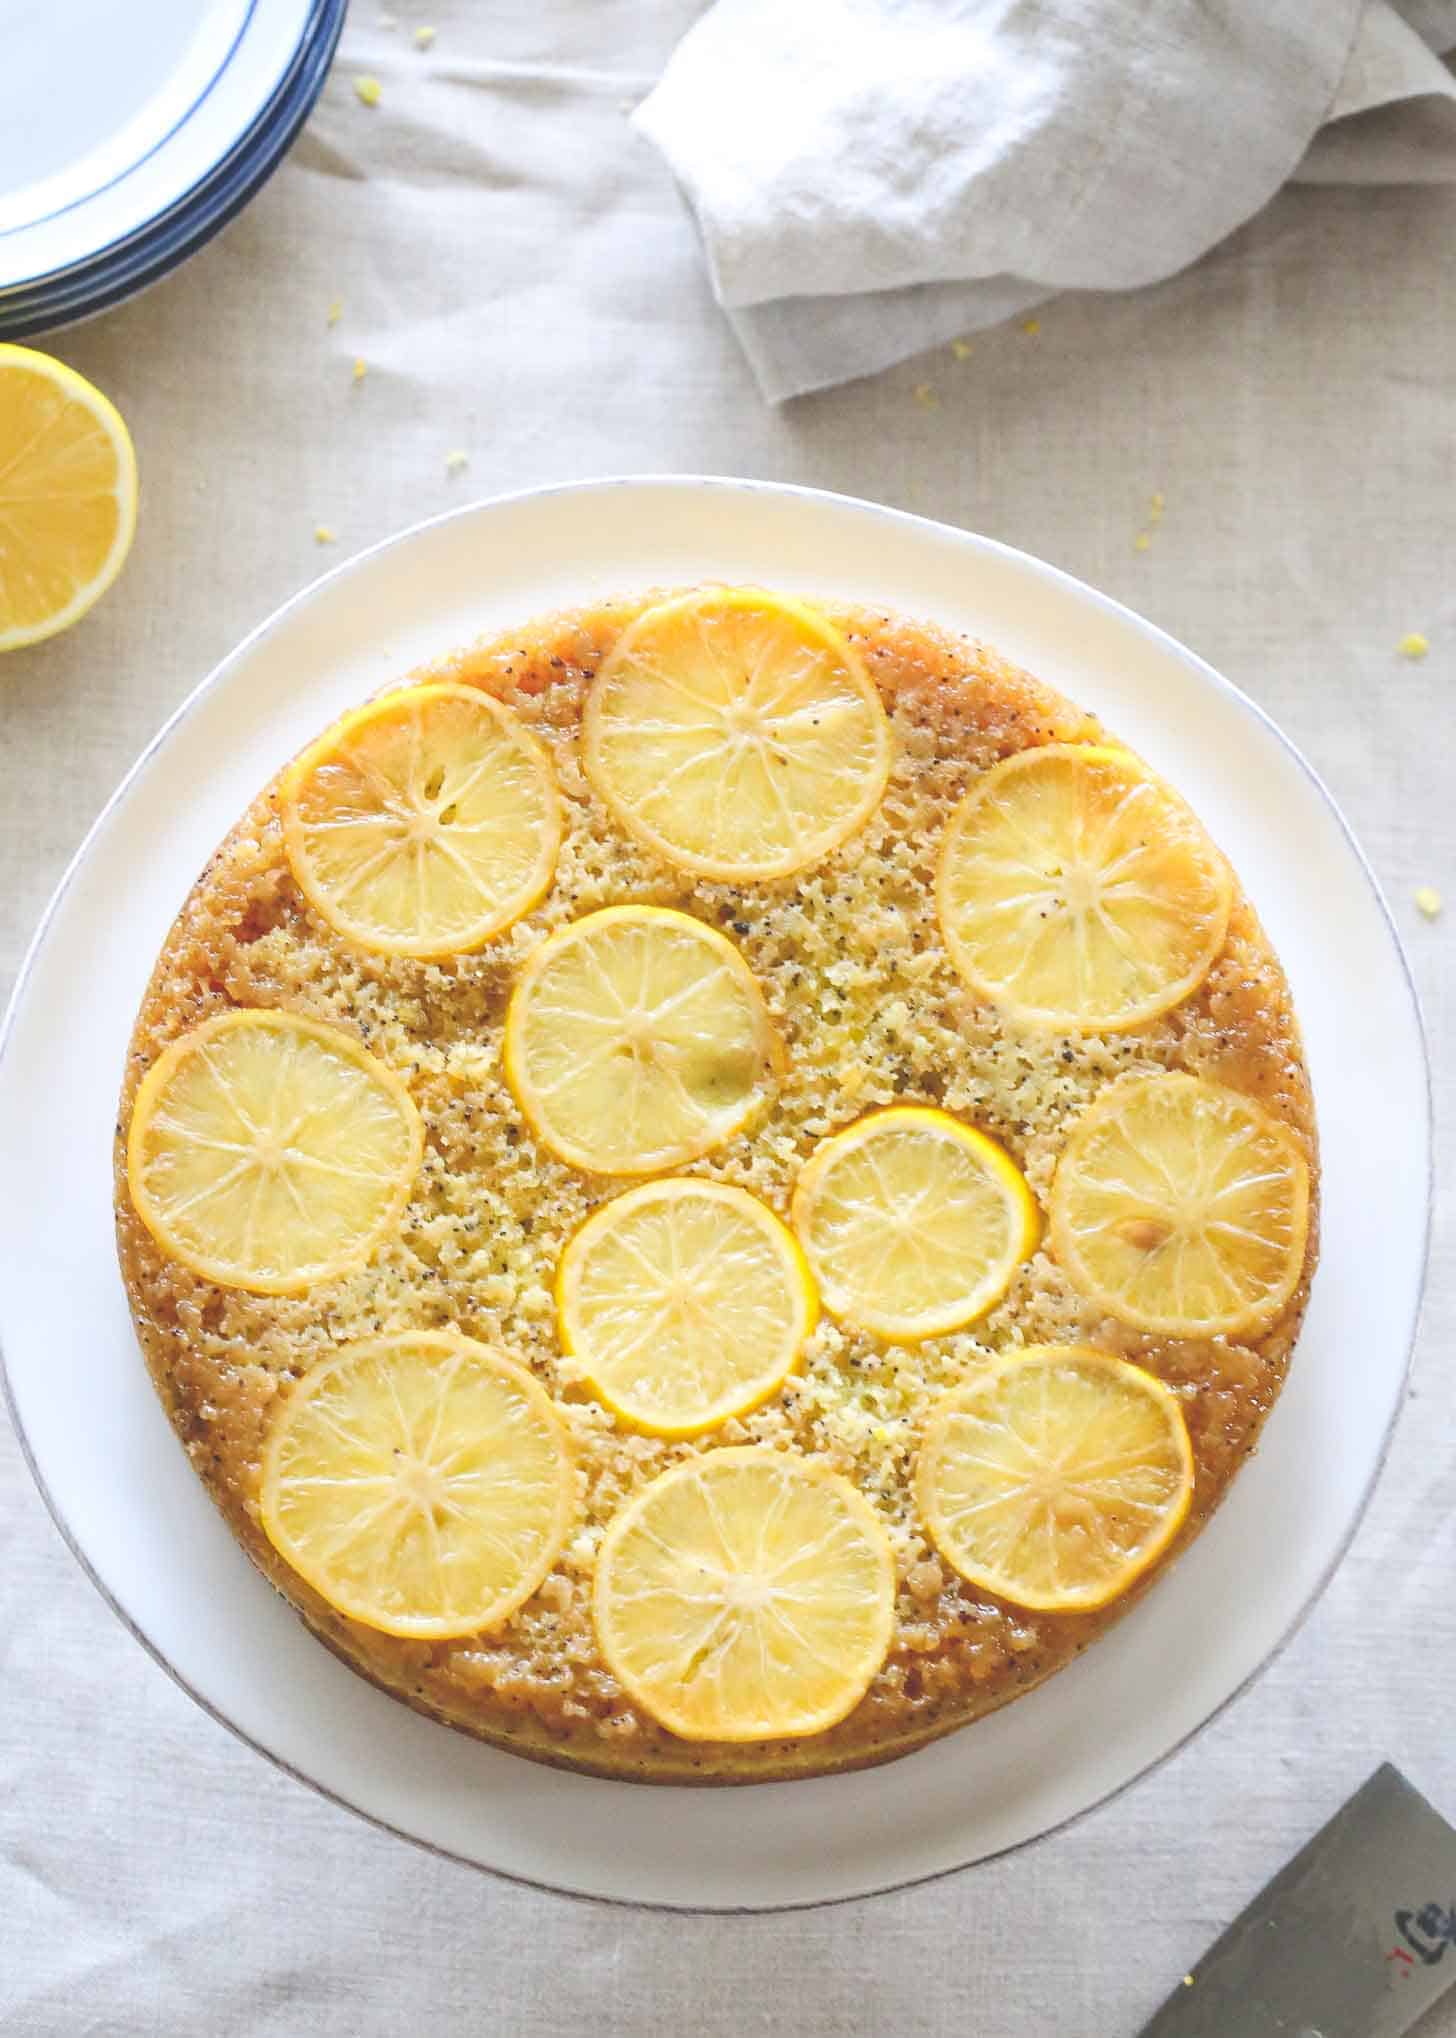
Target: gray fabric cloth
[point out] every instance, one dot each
(866, 173)
(518, 275)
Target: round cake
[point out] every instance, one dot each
(716, 1185)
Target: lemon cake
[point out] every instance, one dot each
(716, 1185)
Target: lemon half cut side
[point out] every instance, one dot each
(68, 496)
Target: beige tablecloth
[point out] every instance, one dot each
(518, 275)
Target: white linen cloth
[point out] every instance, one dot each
(869, 176)
(518, 275)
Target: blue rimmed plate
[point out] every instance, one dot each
(116, 164)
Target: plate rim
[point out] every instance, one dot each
(864, 507)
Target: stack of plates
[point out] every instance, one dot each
(129, 135)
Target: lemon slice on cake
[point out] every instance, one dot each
(422, 1485)
(68, 496)
(1057, 1479)
(684, 1302)
(737, 733)
(637, 1039)
(1077, 892)
(269, 1152)
(423, 823)
(745, 1595)
(913, 1222)
(1182, 1207)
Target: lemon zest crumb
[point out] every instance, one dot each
(368, 90)
(361, 368)
(1413, 645)
(336, 311)
(1156, 504)
(1031, 325)
(456, 461)
(424, 37)
(1142, 541)
(1429, 901)
(961, 349)
(925, 396)
(324, 534)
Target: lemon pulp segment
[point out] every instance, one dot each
(913, 1223)
(684, 1302)
(637, 1039)
(1077, 892)
(422, 1484)
(68, 496)
(1057, 1479)
(423, 823)
(269, 1152)
(745, 1594)
(737, 733)
(1182, 1207)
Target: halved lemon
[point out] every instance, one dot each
(1076, 891)
(422, 1485)
(269, 1152)
(1182, 1207)
(68, 496)
(637, 1039)
(737, 733)
(685, 1302)
(1057, 1479)
(913, 1222)
(744, 1595)
(423, 823)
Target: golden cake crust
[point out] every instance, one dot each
(857, 980)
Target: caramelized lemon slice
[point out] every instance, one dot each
(737, 733)
(269, 1152)
(685, 1302)
(423, 823)
(1182, 1207)
(422, 1485)
(744, 1595)
(1076, 891)
(1057, 1479)
(913, 1223)
(637, 1039)
(68, 496)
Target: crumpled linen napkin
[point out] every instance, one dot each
(873, 177)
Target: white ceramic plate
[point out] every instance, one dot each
(92, 152)
(137, 1517)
